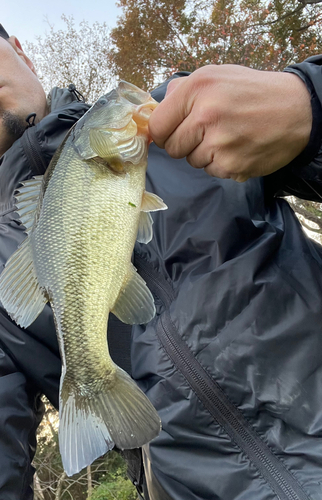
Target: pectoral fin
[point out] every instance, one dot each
(135, 304)
(150, 203)
(106, 149)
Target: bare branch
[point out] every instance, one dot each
(278, 19)
(310, 2)
(38, 490)
(308, 216)
(89, 481)
(175, 33)
(310, 228)
(60, 485)
(303, 28)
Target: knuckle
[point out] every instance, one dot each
(194, 161)
(220, 166)
(158, 135)
(204, 116)
(217, 171)
(232, 168)
(173, 148)
(158, 142)
(173, 84)
(155, 133)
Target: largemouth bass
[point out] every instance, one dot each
(82, 219)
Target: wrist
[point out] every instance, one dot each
(311, 149)
(301, 116)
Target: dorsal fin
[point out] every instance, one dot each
(27, 199)
(20, 293)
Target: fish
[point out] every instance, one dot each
(82, 218)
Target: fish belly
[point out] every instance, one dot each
(83, 245)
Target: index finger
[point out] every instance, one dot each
(170, 112)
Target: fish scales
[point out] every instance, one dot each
(90, 208)
(86, 248)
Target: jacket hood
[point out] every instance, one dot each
(43, 138)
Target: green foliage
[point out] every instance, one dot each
(114, 484)
(115, 487)
(105, 479)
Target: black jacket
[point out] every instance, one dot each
(233, 359)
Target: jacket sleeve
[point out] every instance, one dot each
(303, 176)
(20, 415)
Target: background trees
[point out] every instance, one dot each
(79, 55)
(105, 479)
(154, 38)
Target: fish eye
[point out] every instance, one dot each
(102, 101)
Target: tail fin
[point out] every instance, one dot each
(91, 426)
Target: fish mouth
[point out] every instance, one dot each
(142, 115)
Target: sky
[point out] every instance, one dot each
(27, 18)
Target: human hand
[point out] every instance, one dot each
(233, 121)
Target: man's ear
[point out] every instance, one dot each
(16, 45)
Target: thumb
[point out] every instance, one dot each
(169, 113)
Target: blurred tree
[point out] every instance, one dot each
(105, 479)
(154, 38)
(75, 55)
(310, 216)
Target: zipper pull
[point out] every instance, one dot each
(31, 119)
(77, 94)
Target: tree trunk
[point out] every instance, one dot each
(89, 482)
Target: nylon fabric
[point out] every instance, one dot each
(302, 177)
(21, 412)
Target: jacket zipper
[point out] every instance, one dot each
(280, 480)
(33, 152)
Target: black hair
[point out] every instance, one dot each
(3, 33)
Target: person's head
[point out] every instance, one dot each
(21, 92)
